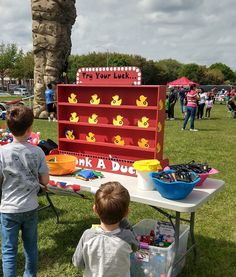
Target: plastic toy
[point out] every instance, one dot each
(116, 101)
(34, 138)
(143, 123)
(94, 99)
(118, 121)
(74, 117)
(93, 119)
(72, 98)
(143, 143)
(87, 174)
(118, 140)
(141, 102)
(160, 105)
(90, 137)
(69, 134)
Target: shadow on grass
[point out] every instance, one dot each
(219, 254)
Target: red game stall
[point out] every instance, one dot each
(108, 120)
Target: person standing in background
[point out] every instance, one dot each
(50, 102)
(192, 98)
(209, 105)
(173, 95)
(201, 104)
(182, 94)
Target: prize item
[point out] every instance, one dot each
(72, 98)
(93, 119)
(90, 137)
(143, 122)
(116, 101)
(143, 143)
(118, 121)
(142, 101)
(74, 117)
(95, 100)
(118, 140)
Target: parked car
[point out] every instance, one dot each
(21, 92)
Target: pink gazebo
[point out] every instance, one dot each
(183, 81)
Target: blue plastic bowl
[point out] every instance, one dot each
(173, 190)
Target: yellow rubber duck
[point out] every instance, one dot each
(93, 119)
(118, 140)
(118, 121)
(90, 137)
(143, 123)
(143, 143)
(116, 101)
(158, 148)
(72, 98)
(70, 135)
(74, 117)
(142, 101)
(94, 99)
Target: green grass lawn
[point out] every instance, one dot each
(215, 226)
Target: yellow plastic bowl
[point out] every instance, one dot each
(61, 164)
(147, 165)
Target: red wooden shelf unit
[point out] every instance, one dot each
(120, 123)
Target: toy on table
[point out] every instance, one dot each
(142, 101)
(143, 123)
(95, 100)
(5, 136)
(72, 98)
(118, 140)
(118, 121)
(143, 143)
(202, 169)
(74, 117)
(87, 174)
(93, 119)
(90, 137)
(70, 134)
(34, 138)
(116, 101)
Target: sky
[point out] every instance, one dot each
(189, 31)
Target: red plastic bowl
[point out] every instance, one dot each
(204, 176)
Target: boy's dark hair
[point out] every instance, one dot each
(112, 202)
(19, 118)
(192, 86)
(49, 86)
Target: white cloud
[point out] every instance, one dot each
(186, 30)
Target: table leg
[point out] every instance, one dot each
(50, 205)
(176, 246)
(192, 221)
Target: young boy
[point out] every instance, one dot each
(22, 169)
(105, 251)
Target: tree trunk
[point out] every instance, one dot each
(51, 28)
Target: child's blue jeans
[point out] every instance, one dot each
(11, 224)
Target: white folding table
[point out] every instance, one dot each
(189, 205)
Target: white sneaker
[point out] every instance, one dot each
(182, 129)
(49, 118)
(193, 130)
(54, 119)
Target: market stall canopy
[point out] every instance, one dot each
(183, 81)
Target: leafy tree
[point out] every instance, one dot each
(24, 67)
(214, 76)
(194, 72)
(8, 56)
(172, 69)
(226, 70)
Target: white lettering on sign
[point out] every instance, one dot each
(101, 164)
(122, 168)
(85, 162)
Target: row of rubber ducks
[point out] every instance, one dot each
(116, 100)
(117, 121)
(90, 137)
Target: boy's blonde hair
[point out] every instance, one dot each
(112, 202)
(19, 118)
